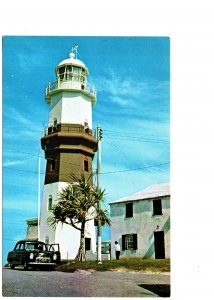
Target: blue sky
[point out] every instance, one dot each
(132, 79)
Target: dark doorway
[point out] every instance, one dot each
(159, 244)
(87, 244)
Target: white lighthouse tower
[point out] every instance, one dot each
(69, 146)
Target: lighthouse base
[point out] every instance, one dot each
(65, 235)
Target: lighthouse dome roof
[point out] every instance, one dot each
(72, 61)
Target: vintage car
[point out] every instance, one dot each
(34, 254)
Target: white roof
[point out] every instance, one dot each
(72, 61)
(153, 191)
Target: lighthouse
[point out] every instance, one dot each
(69, 144)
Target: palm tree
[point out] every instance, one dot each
(78, 204)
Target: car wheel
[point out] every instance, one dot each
(25, 266)
(52, 268)
(12, 266)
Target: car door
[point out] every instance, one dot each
(54, 248)
(21, 254)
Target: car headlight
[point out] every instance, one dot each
(31, 255)
(54, 256)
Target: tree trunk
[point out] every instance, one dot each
(81, 252)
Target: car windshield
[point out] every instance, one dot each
(35, 246)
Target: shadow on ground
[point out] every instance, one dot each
(162, 290)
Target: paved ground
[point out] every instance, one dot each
(20, 283)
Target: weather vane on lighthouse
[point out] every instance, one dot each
(74, 50)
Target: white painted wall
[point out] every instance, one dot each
(69, 239)
(143, 223)
(67, 236)
(45, 229)
(73, 108)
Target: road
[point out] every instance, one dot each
(20, 283)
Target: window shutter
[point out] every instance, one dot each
(134, 241)
(123, 242)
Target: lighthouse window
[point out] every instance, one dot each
(53, 165)
(61, 73)
(69, 72)
(86, 165)
(77, 72)
(50, 200)
(55, 123)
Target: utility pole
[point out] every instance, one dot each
(99, 227)
(39, 158)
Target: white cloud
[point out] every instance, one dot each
(16, 124)
(12, 163)
(130, 182)
(118, 85)
(141, 93)
(24, 204)
(17, 117)
(119, 100)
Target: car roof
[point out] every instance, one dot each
(30, 241)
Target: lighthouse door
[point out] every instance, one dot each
(159, 244)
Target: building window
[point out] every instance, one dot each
(50, 202)
(129, 210)
(129, 241)
(86, 165)
(157, 207)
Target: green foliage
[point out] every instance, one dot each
(79, 202)
(128, 264)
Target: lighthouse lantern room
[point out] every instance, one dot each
(69, 145)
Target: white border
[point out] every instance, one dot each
(189, 25)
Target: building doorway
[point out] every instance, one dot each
(87, 244)
(159, 244)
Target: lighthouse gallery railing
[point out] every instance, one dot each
(72, 85)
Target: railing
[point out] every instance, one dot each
(68, 128)
(71, 84)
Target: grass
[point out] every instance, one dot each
(128, 264)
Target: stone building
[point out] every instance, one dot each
(141, 223)
(32, 229)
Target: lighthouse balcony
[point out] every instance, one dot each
(69, 128)
(70, 85)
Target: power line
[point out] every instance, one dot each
(46, 158)
(125, 133)
(109, 172)
(16, 150)
(138, 139)
(128, 170)
(132, 158)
